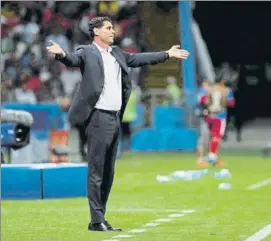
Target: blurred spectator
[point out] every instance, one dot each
(10, 12)
(22, 93)
(108, 8)
(7, 90)
(44, 93)
(129, 116)
(30, 32)
(229, 74)
(57, 36)
(29, 74)
(128, 9)
(166, 6)
(11, 65)
(34, 82)
(71, 10)
(69, 78)
(34, 63)
(173, 92)
(128, 45)
(6, 38)
(32, 11)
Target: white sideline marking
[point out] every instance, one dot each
(163, 220)
(261, 234)
(111, 240)
(124, 236)
(175, 215)
(188, 211)
(151, 224)
(260, 184)
(139, 230)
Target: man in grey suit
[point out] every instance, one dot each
(99, 104)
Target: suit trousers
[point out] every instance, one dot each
(82, 140)
(103, 132)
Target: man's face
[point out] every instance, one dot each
(105, 33)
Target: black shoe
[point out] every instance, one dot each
(102, 227)
(111, 228)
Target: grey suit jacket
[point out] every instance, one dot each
(89, 59)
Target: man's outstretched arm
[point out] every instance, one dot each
(150, 58)
(70, 60)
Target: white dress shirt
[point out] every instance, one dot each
(111, 96)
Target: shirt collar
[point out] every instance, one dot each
(108, 50)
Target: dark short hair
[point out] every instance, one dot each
(219, 77)
(97, 22)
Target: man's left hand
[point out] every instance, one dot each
(178, 53)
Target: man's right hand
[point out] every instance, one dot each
(55, 49)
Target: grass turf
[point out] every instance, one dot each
(137, 198)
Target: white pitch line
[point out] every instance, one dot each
(124, 236)
(259, 184)
(188, 211)
(261, 234)
(176, 215)
(151, 224)
(111, 240)
(138, 230)
(163, 220)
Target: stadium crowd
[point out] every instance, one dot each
(29, 73)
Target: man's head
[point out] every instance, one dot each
(219, 79)
(171, 80)
(101, 29)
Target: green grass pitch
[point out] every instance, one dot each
(137, 198)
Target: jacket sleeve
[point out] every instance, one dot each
(75, 59)
(141, 59)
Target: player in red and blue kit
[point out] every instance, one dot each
(202, 113)
(218, 98)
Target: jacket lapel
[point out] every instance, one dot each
(122, 64)
(98, 54)
(114, 52)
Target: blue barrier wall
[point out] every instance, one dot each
(65, 181)
(43, 181)
(167, 133)
(20, 182)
